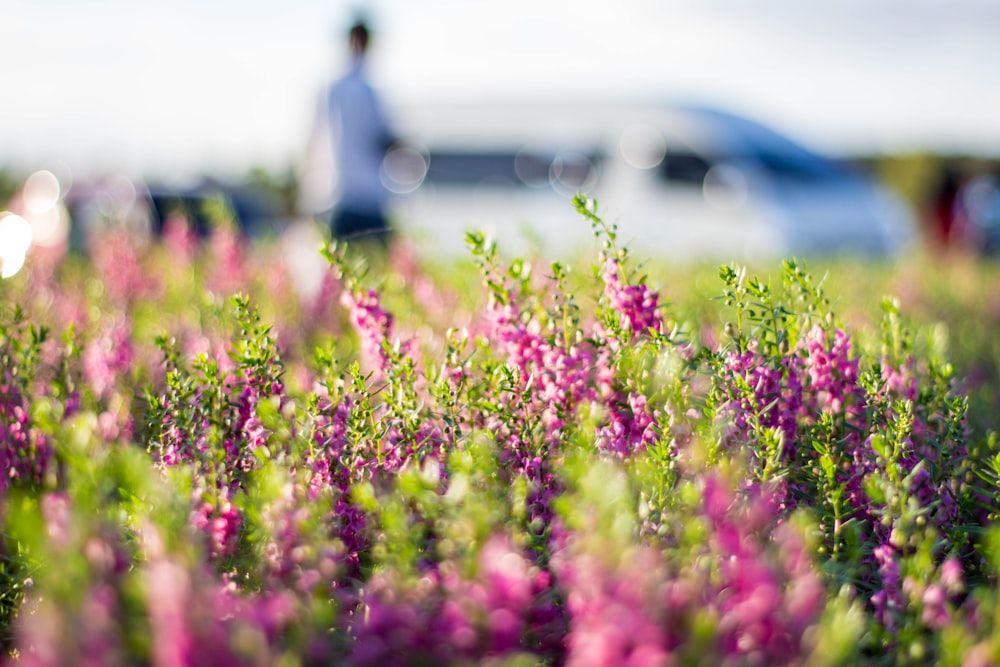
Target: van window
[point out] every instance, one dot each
(683, 167)
(509, 168)
(472, 168)
(797, 166)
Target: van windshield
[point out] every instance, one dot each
(728, 138)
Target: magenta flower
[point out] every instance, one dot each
(831, 375)
(636, 305)
(220, 524)
(631, 429)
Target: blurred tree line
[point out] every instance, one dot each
(278, 186)
(10, 181)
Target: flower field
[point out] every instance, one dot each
(505, 463)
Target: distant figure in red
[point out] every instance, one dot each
(944, 211)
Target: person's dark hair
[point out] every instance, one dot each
(358, 36)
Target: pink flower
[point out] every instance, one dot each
(108, 357)
(951, 576)
(637, 305)
(167, 595)
(117, 259)
(229, 271)
(935, 613)
(374, 326)
(180, 239)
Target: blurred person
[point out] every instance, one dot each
(945, 207)
(359, 135)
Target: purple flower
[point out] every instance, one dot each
(888, 601)
(25, 453)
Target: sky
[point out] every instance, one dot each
(174, 88)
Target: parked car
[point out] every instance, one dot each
(253, 211)
(143, 207)
(680, 182)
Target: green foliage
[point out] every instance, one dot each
(499, 480)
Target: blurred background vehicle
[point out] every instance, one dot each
(143, 207)
(253, 211)
(683, 182)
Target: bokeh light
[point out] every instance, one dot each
(15, 239)
(42, 192)
(642, 146)
(532, 168)
(403, 169)
(572, 172)
(42, 201)
(725, 187)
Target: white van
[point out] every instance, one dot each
(684, 183)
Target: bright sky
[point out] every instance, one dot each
(174, 87)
